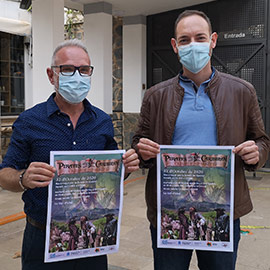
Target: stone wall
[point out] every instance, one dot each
(129, 127)
(117, 80)
(124, 123)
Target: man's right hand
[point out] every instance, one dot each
(38, 174)
(147, 149)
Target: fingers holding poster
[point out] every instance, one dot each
(195, 197)
(84, 205)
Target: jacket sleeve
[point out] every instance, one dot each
(256, 132)
(143, 129)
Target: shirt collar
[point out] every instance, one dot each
(51, 105)
(185, 79)
(53, 108)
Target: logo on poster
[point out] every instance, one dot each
(187, 243)
(75, 252)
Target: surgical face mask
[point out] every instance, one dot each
(75, 88)
(194, 56)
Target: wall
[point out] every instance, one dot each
(11, 10)
(117, 106)
(124, 123)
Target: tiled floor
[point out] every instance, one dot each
(135, 246)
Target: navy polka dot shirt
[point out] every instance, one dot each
(44, 128)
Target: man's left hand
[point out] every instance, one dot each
(248, 151)
(131, 161)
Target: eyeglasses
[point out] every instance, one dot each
(69, 70)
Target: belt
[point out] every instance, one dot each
(36, 224)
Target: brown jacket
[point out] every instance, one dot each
(238, 119)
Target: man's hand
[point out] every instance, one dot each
(248, 151)
(148, 149)
(131, 161)
(38, 174)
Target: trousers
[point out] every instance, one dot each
(33, 255)
(179, 259)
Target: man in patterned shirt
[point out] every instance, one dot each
(66, 121)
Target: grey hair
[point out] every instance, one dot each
(68, 43)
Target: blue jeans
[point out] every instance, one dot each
(33, 255)
(179, 259)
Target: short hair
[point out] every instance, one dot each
(68, 43)
(188, 13)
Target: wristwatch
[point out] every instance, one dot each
(20, 181)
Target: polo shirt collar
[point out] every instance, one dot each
(185, 79)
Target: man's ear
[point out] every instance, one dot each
(174, 45)
(214, 38)
(50, 75)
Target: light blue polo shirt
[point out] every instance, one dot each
(196, 121)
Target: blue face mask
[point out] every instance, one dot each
(194, 56)
(74, 89)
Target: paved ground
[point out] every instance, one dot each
(135, 247)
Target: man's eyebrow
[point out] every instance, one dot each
(187, 36)
(201, 34)
(183, 36)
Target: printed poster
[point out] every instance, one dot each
(195, 197)
(84, 204)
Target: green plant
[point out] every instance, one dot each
(72, 18)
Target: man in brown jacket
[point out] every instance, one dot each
(201, 106)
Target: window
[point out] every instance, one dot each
(11, 74)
